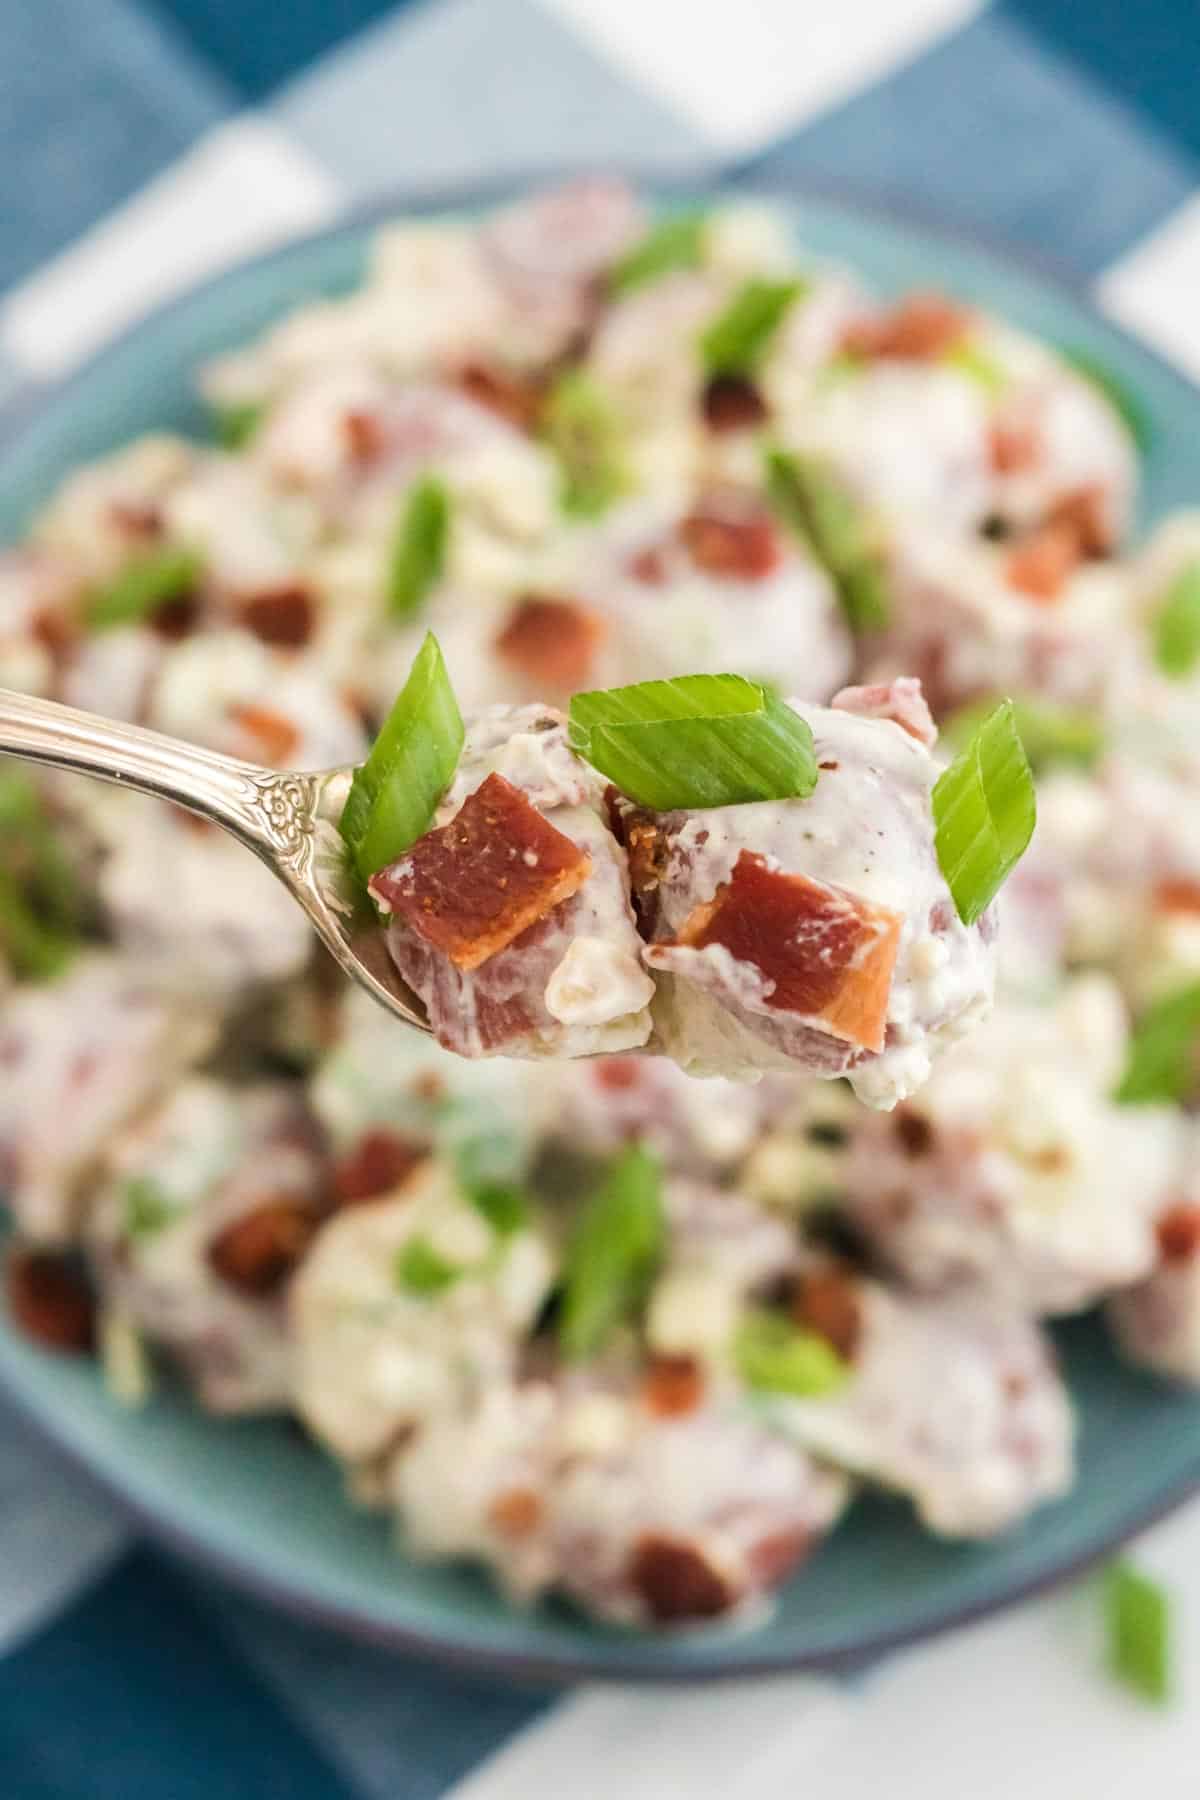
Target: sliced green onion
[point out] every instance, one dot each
(395, 793)
(423, 1270)
(984, 811)
(143, 586)
(775, 1356)
(811, 500)
(697, 741)
(1162, 1066)
(41, 903)
(506, 1208)
(676, 243)
(612, 1257)
(584, 432)
(978, 366)
(1137, 1616)
(1177, 627)
(1127, 405)
(147, 1209)
(237, 424)
(738, 338)
(1049, 732)
(34, 950)
(417, 558)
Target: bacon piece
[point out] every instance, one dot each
(1013, 446)
(1044, 562)
(732, 403)
(733, 540)
(275, 737)
(174, 619)
(1085, 512)
(919, 328)
(49, 1301)
(901, 701)
(1177, 894)
(551, 640)
(366, 436)
(617, 1073)
(913, 1131)
(827, 1302)
(283, 616)
(1178, 1233)
(140, 519)
(647, 850)
(257, 1253)
(517, 398)
(828, 953)
(379, 1162)
(673, 1386)
(515, 1512)
(649, 565)
(467, 889)
(676, 1582)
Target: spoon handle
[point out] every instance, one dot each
(268, 811)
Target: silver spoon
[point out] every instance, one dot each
(288, 819)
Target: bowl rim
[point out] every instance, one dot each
(34, 400)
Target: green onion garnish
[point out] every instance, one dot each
(237, 424)
(984, 811)
(395, 793)
(583, 431)
(775, 1356)
(697, 741)
(738, 338)
(143, 586)
(1124, 402)
(147, 1209)
(976, 364)
(422, 1269)
(417, 558)
(611, 1259)
(1137, 1616)
(1177, 627)
(1049, 732)
(506, 1208)
(811, 500)
(1162, 1066)
(676, 243)
(41, 903)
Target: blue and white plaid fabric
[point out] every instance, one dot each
(144, 142)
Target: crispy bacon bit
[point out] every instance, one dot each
(551, 640)
(649, 565)
(827, 1302)
(136, 518)
(900, 701)
(275, 738)
(674, 1385)
(515, 1512)
(379, 1162)
(1014, 446)
(1178, 1233)
(1177, 894)
(174, 619)
(732, 403)
(366, 437)
(676, 1582)
(829, 953)
(1042, 564)
(257, 1253)
(517, 398)
(283, 617)
(53, 631)
(913, 1130)
(1086, 513)
(49, 1301)
(919, 328)
(740, 542)
(617, 1073)
(646, 848)
(467, 889)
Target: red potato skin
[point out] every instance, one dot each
(257, 1253)
(675, 1582)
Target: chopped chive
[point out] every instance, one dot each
(147, 1209)
(811, 500)
(984, 810)
(775, 1356)
(736, 341)
(696, 741)
(1137, 1615)
(1050, 733)
(143, 586)
(237, 424)
(978, 366)
(612, 1257)
(1127, 405)
(1177, 627)
(582, 429)
(422, 1269)
(417, 558)
(1162, 1066)
(395, 793)
(506, 1208)
(676, 243)
(41, 903)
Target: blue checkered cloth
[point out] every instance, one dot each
(1068, 128)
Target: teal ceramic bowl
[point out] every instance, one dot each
(252, 1500)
